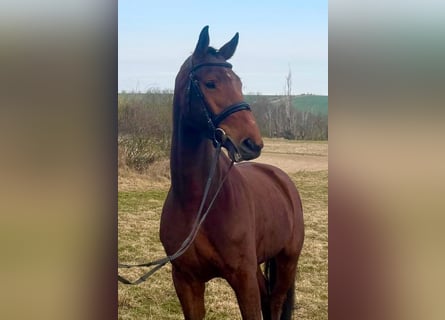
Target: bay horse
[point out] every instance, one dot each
(257, 216)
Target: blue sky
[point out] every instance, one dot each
(155, 37)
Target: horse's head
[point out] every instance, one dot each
(214, 100)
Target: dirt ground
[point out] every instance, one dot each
(291, 163)
(294, 156)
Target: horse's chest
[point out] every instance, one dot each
(201, 259)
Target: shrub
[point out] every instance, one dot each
(138, 151)
(144, 126)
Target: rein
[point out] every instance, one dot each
(200, 217)
(219, 137)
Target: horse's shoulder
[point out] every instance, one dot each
(254, 170)
(257, 167)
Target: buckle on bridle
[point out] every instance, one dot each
(219, 137)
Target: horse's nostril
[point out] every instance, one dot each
(252, 145)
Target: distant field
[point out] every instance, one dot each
(140, 201)
(313, 103)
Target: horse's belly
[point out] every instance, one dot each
(277, 209)
(276, 219)
(274, 232)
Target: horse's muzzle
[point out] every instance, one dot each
(250, 150)
(247, 150)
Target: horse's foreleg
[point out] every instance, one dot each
(191, 296)
(245, 285)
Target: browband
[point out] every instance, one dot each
(211, 64)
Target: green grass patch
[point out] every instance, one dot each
(139, 215)
(312, 279)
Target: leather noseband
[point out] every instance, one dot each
(213, 120)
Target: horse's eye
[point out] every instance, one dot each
(210, 84)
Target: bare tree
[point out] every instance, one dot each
(289, 117)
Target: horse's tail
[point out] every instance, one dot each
(270, 272)
(288, 305)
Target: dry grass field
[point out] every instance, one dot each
(141, 197)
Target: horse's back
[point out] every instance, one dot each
(278, 209)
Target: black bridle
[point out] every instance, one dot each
(213, 120)
(218, 137)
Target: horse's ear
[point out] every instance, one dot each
(203, 43)
(229, 48)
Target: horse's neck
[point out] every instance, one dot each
(191, 154)
(191, 159)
